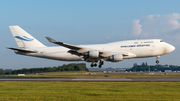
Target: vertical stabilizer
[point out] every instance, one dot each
(23, 39)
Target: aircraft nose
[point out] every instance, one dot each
(170, 48)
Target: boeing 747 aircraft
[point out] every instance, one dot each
(113, 52)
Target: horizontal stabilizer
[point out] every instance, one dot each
(22, 50)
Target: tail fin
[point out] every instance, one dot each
(23, 39)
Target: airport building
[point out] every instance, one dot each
(167, 68)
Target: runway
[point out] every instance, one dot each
(88, 79)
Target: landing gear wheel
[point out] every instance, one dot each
(101, 62)
(157, 61)
(93, 64)
(99, 66)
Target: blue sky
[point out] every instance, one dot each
(89, 22)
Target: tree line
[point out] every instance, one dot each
(68, 67)
(145, 67)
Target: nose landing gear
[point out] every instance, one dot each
(157, 61)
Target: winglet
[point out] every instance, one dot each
(50, 39)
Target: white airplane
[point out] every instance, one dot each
(113, 52)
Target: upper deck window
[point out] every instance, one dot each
(148, 42)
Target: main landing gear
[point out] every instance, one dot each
(157, 61)
(93, 64)
(101, 62)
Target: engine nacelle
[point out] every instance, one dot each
(116, 58)
(93, 53)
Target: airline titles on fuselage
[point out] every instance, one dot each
(126, 46)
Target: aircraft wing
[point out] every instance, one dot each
(74, 49)
(80, 51)
(63, 44)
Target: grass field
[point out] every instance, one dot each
(89, 91)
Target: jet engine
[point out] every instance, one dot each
(116, 58)
(93, 54)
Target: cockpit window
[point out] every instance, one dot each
(161, 41)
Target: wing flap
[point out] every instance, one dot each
(75, 52)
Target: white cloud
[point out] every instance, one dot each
(136, 28)
(162, 23)
(157, 26)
